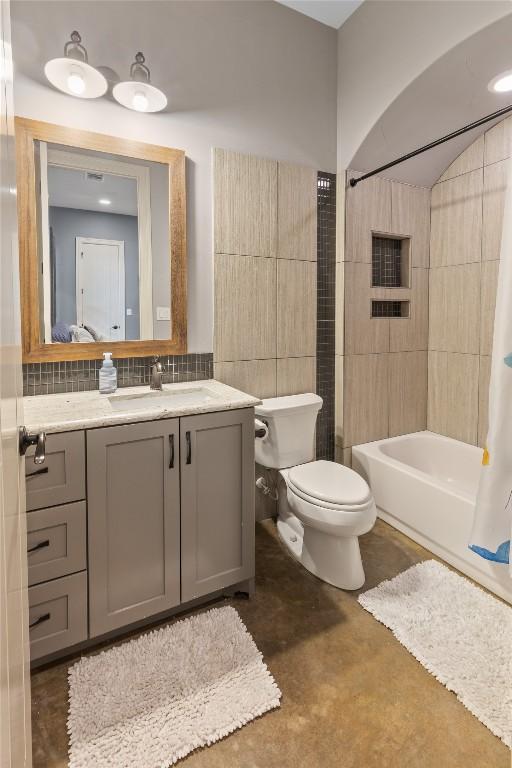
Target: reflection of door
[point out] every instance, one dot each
(15, 743)
(100, 286)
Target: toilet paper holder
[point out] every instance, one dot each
(260, 429)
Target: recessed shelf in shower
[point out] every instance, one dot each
(390, 261)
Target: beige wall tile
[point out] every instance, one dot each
(345, 457)
(456, 220)
(495, 187)
(453, 395)
(296, 308)
(296, 375)
(469, 160)
(245, 204)
(256, 377)
(407, 392)
(483, 399)
(340, 308)
(365, 411)
(296, 212)
(363, 334)
(244, 308)
(368, 208)
(341, 190)
(488, 301)
(498, 142)
(412, 333)
(338, 400)
(410, 215)
(454, 317)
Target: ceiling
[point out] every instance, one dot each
(331, 12)
(71, 188)
(448, 95)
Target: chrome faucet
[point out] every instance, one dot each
(156, 374)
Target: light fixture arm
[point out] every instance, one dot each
(139, 71)
(74, 48)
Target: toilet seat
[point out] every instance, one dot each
(329, 485)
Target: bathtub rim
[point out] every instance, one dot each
(372, 450)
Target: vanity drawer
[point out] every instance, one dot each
(62, 476)
(57, 614)
(56, 542)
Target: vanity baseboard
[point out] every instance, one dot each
(242, 590)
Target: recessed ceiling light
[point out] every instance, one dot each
(72, 74)
(104, 201)
(138, 93)
(501, 83)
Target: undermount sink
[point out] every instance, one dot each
(164, 399)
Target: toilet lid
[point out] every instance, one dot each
(330, 482)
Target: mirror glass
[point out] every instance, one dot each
(104, 250)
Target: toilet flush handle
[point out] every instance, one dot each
(260, 429)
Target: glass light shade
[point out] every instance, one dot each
(76, 78)
(142, 97)
(502, 83)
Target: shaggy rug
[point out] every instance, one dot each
(460, 633)
(149, 702)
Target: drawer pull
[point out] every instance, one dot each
(41, 545)
(42, 471)
(171, 448)
(40, 620)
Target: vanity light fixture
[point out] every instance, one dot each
(138, 93)
(502, 83)
(104, 201)
(72, 74)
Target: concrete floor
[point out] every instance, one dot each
(353, 697)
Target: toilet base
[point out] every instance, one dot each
(334, 559)
(291, 533)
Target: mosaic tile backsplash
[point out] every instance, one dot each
(326, 298)
(82, 375)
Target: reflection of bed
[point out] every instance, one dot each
(62, 333)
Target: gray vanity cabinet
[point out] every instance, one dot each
(133, 482)
(217, 501)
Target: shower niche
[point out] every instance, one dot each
(391, 261)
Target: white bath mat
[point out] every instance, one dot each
(461, 634)
(151, 701)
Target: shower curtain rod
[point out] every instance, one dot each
(488, 118)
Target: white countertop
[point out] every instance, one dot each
(85, 410)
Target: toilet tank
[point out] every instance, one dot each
(291, 424)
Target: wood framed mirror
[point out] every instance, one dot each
(102, 243)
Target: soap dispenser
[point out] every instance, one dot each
(108, 375)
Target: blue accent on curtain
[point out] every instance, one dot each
(502, 554)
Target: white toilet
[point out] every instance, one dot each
(322, 507)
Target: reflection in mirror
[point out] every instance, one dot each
(103, 222)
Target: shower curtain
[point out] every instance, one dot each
(490, 537)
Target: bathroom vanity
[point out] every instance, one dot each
(144, 504)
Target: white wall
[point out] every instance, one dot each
(385, 45)
(250, 76)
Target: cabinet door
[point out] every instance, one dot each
(134, 522)
(217, 501)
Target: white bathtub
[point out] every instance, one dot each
(425, 486)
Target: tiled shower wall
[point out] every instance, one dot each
(467, 216)
(381, 362)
